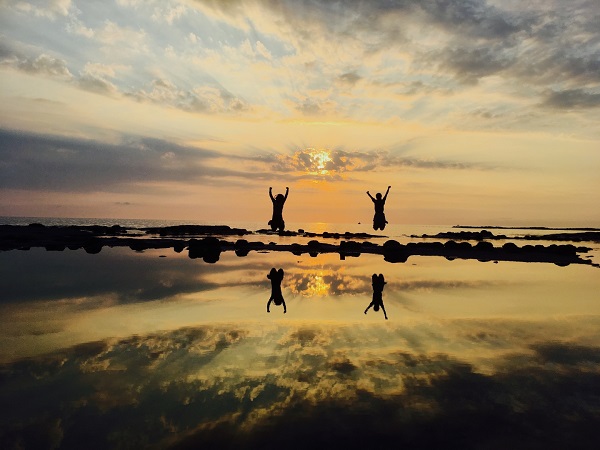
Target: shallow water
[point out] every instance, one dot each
(128, 350)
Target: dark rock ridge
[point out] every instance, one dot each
(210, 247)
(197, 230)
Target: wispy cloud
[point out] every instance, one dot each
(32, 161)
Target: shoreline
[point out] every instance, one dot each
(209, 241)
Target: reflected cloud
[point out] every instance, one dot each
(120, 275)
(217, 385)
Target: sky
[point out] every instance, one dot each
(475, 112)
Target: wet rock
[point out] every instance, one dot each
(393, 251)
(350, 248)
(297, 249)
(242, 247)
(93, 246)
(209, 249)
(484, 246)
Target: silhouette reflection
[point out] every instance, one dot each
(377, 302)
(379, 202)
(276, 276)
(277, 222)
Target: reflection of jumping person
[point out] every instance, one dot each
(378, 284)
(276, 221)
(379, 218)
(276, 296)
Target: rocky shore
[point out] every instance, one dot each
(208, 242)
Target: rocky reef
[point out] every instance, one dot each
(208, 242)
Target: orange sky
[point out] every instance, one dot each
(190, 110)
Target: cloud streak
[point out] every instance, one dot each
(47, 162)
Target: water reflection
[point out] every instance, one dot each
(217, 387)
(127, 350)
(276, 277)
(378, 282)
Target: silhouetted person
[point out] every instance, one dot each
(276, 221)
(378, 284)
(276, 296)
(379, 217)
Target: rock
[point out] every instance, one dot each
(209, 249)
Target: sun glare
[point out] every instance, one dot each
(319, 160)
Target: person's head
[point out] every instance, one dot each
(376, 307)
(279, 197)
(275, 275)
(378, 196)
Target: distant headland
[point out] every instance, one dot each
(499, 227)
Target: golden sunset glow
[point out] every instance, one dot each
(194, 108)
(319, 159)
(311, 283)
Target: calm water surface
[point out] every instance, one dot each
(133, 350)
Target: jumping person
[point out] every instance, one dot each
(276, 221)
(276, 296)
(379, 217)
(378, 283)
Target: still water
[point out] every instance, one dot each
(134, 350)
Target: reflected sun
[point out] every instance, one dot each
(311, 283)
(318, 286)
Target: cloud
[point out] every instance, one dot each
(202, 99)
(49, 9)
(571, 99)
(33, 161)
(342, 161)
(471, 64)
(541, 44)
(565, 353)
(350, 78)
(43, 64)
(300, 57)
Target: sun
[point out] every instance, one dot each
(319, 159)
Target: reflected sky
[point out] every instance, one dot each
(156, 349)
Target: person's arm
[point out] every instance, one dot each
(386, 193)
(284, 308)
(271, 194)
(287, 191)
(370, 196)
(370, 304)
(384, 314)
(269, 304)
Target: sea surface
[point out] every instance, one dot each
(153, 349)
